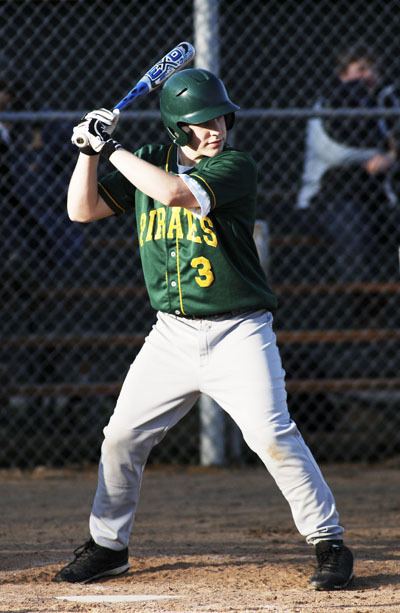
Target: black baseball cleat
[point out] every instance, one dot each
(93, 562)
(334, 566)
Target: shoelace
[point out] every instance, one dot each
(83, 549)
(329, 560)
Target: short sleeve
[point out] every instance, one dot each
(200, 194)
(228, 178)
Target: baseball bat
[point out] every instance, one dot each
(171, 62)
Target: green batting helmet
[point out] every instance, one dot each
(193, 96)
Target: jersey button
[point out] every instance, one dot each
(173, 254)
(177, 312)
(173, 283)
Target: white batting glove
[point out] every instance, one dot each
(92, 138)
(108, 118)
(80, 136)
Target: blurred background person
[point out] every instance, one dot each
(348, 171)
(24, 241)
(36, 235)
(42, 163)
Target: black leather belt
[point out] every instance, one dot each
(225, 314)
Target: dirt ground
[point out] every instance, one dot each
(206, 540)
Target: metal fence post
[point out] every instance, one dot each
(206, 42)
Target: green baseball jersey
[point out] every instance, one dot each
(192, 265)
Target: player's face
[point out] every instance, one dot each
(207, 139)
(362, 70)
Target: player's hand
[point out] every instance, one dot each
(80, 138)
(108, 118)
(93, 133)
(379, 163)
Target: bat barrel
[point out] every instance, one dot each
(176, 59)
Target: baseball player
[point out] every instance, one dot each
(195, 204)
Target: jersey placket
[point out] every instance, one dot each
(173, 276)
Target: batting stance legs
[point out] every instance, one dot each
(180, 359)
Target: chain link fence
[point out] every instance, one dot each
(74, 311)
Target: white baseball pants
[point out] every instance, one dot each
(236, 362)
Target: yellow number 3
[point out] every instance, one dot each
(206, 276)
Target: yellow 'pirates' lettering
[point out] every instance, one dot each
(175, 226)
(160, 232)
(152, 216)
(191, 235)
(210, 238)
(142, 228)
(153, 226)
(205, 277)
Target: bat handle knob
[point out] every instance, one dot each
(80, 140)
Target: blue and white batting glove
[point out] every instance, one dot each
(109, 118)
(92, 134)
(99, 139)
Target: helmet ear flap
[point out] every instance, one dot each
(186, 133)
(179, 136)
